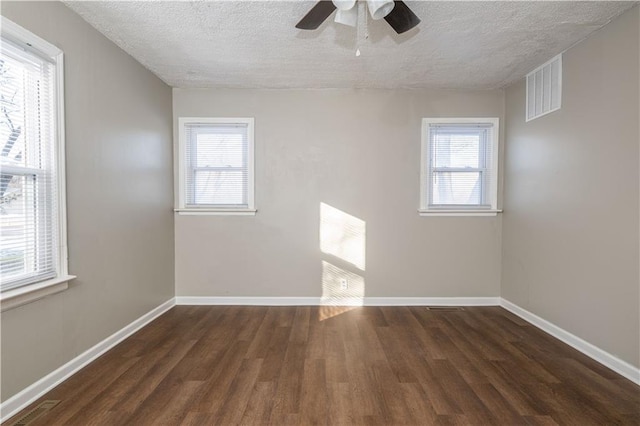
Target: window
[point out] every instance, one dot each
(459, 166)
(216, 166)
(33, 255)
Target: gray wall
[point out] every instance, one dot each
(118, 123)
(357, 151)
(571, 215)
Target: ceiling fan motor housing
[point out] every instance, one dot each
(396, 13)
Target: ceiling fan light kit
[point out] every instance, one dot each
(396, 13)
(344, 4)
(380, 8)
(347, 17)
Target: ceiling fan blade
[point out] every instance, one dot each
(401, 18)
(316, 15)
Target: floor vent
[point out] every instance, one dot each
(445, 308)
(38, 411)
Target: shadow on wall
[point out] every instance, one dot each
(343, 237)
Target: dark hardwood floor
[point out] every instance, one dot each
(312, 365)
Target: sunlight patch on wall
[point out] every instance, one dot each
(342, 291)
(342, 235)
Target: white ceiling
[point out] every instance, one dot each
(241, 44)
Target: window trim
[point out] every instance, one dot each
(182, 167)
(425, 159)
(30, 292)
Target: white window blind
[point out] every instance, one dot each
(459, 165)
(218, 165)
(29, 248)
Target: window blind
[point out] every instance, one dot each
(460, 165)
(217, 166)
(28, 182)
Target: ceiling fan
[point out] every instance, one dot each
(396, 13)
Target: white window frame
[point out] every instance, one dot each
(182, 167)
(36, 290)
(425, 169)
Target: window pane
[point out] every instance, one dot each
(456, 188)
(18, 226)
(219, 187)
(457, 149)
(12, 114)
(220, 150)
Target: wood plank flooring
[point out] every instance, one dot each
(229, 365)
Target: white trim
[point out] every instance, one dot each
(424, 163)
(621, 367)
(461, 212)
(249, 301)
(182, 155)
(30, 293)
(251, 166)
(23, 36)
(319, 301)
(425, 159)
(63, 253)
(182, 142)
(216, 212)
(22, 399)
(431, 301)
(23, 171)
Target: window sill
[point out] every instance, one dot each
(466, 212)
(217, 212)
(30, 293)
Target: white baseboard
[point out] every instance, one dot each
(318, 301)
(248, 301)
(431, 301)
(605, 358)
(22, 399)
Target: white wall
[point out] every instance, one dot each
(359, 152)
(571, 214)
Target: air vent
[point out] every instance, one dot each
(38, 411)
(445, 308)
(544, 89)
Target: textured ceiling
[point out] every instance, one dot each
(462, 45)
